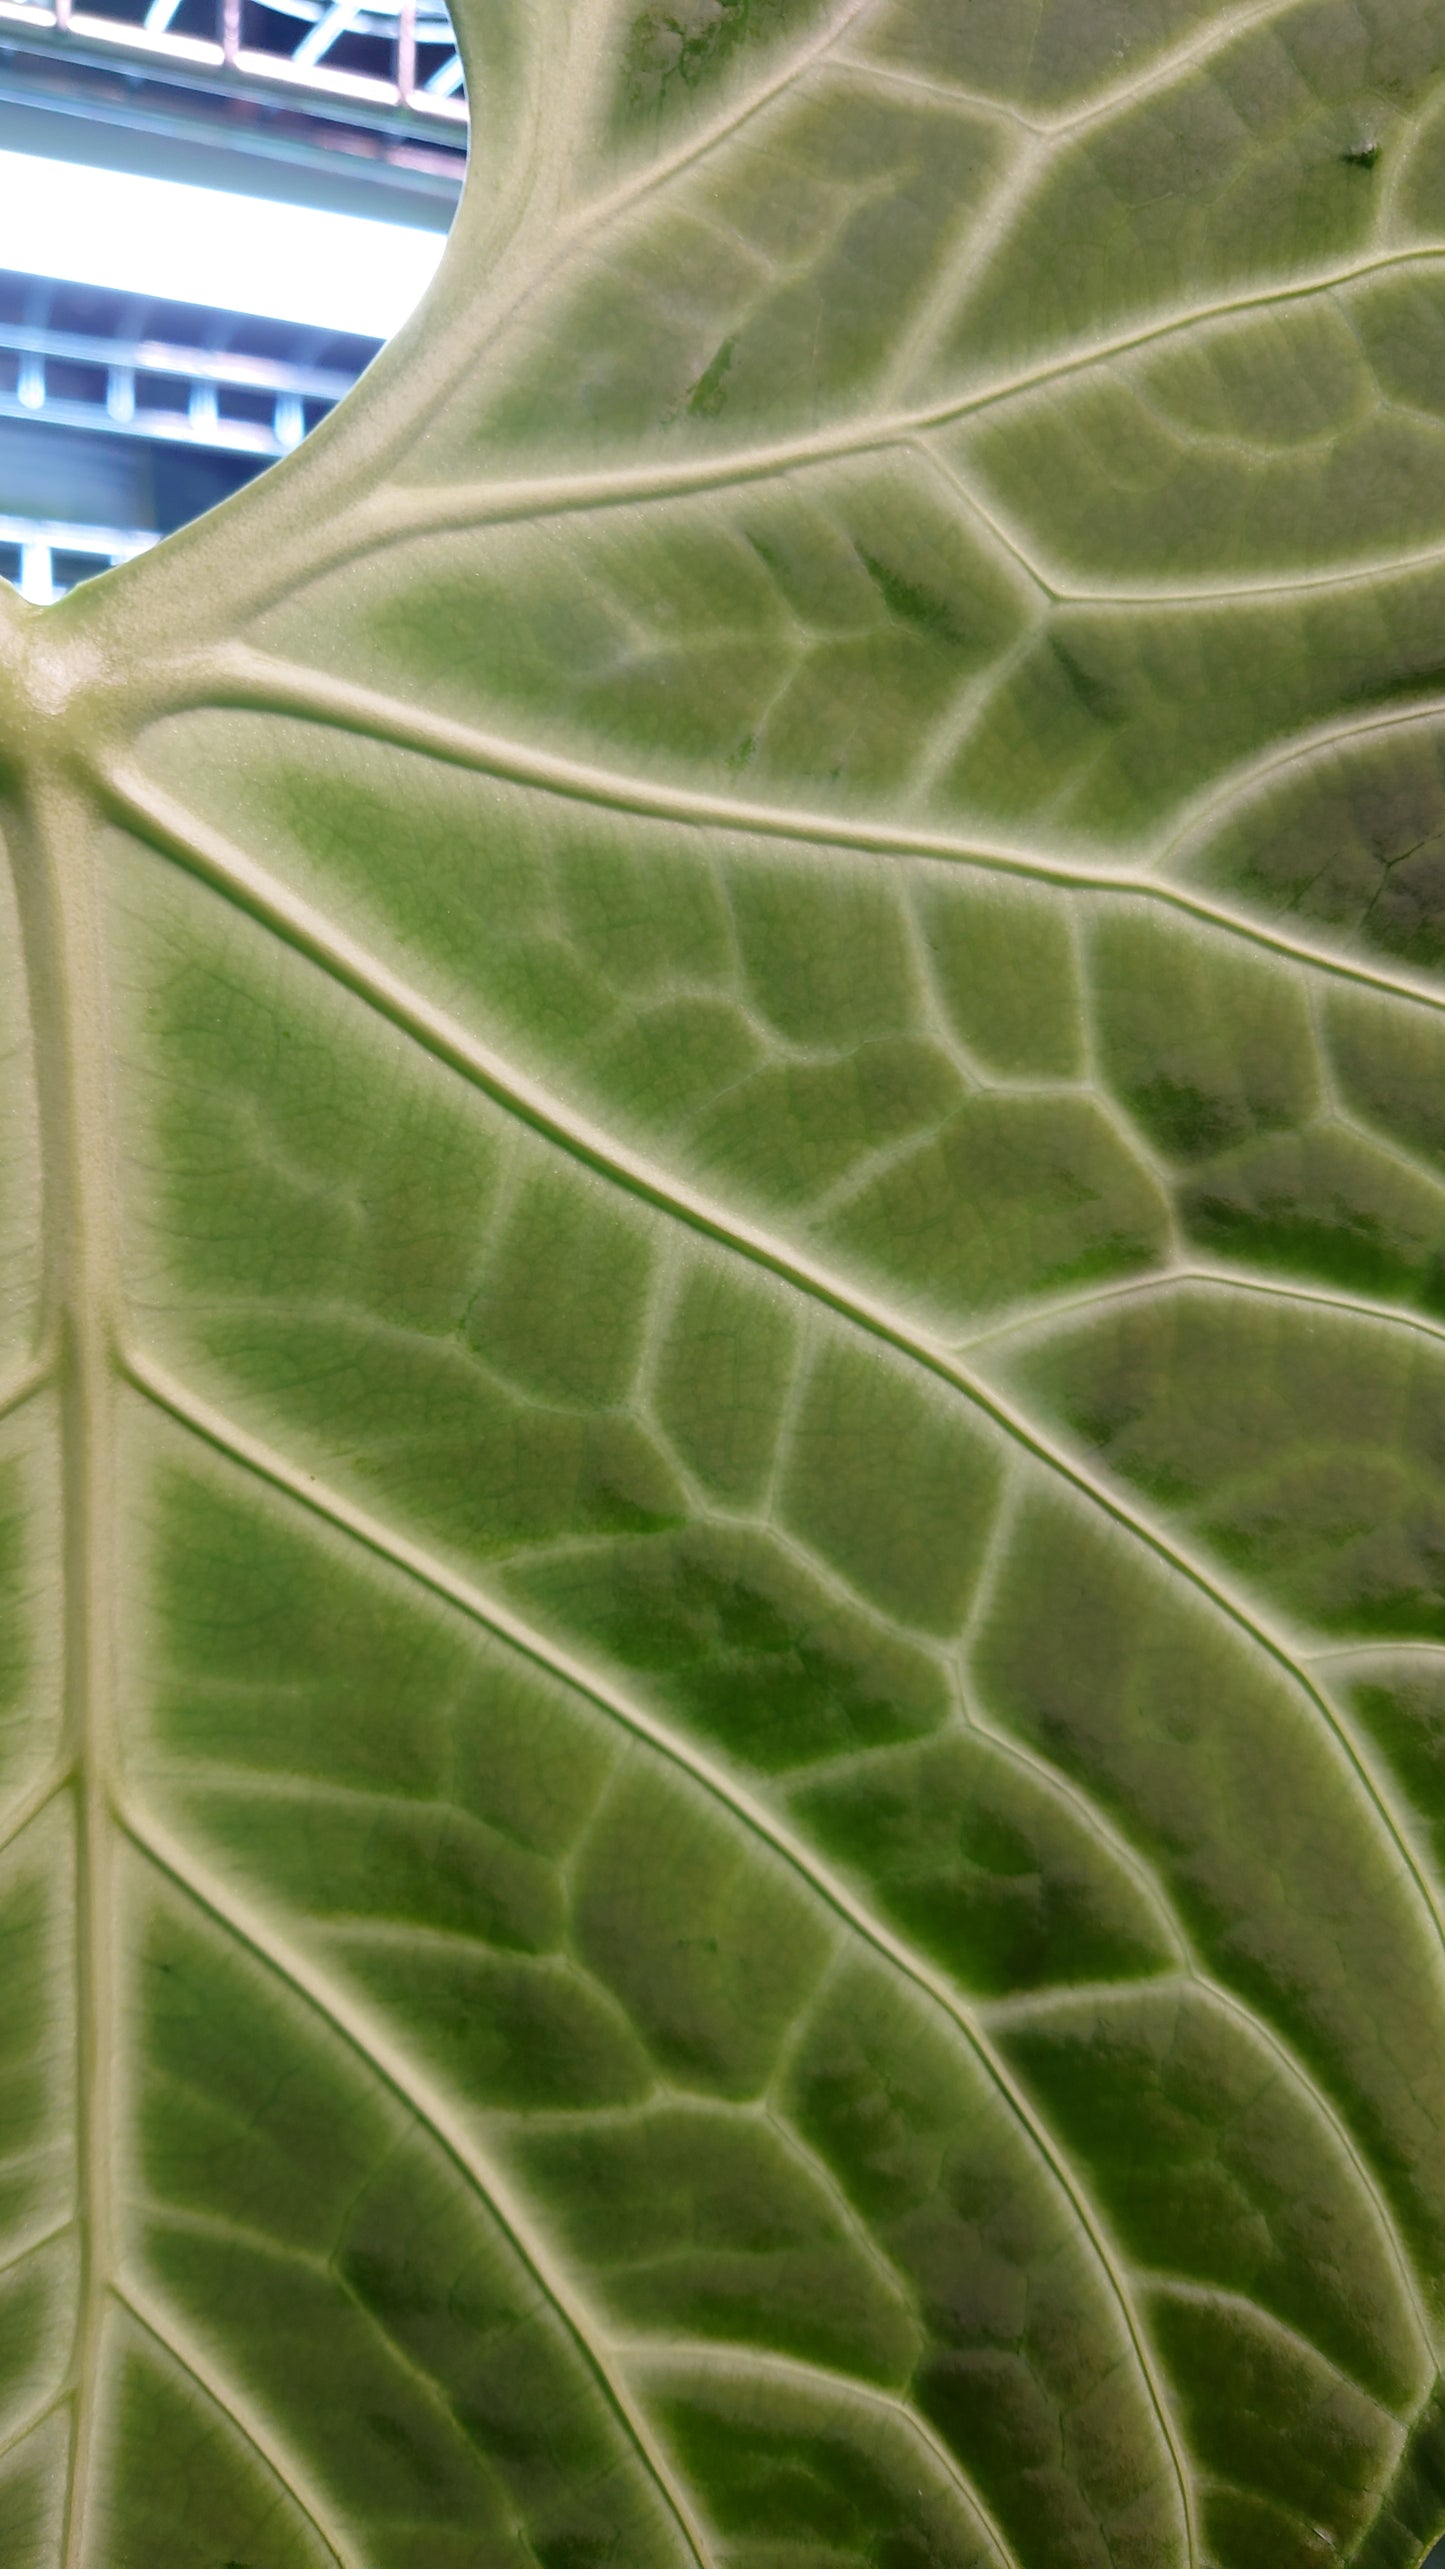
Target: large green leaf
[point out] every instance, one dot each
(723, 1640)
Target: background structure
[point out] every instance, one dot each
(123, 416)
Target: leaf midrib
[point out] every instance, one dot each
(48, 835)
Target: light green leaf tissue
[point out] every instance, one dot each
(722, 1344)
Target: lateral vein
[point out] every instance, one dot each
(167, 2333)
(59, 936)
(345, 959)
(415, 2092)
(702, 2354)
(204, 1421)
(252, 682)
(495, 1615)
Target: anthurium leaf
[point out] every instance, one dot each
(722, 1486)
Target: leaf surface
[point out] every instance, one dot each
(722, 1487)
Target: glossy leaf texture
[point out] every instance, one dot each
(723, 1467)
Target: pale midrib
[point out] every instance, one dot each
(53, 842)
(59, 939)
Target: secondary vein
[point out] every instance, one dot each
(401, 2075)
(203, 1420)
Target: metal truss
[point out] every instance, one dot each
(43, 558)
(359, 99)
(102, 379)
(387, 61)
(223, 400)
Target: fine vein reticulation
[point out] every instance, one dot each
(722, 1351)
